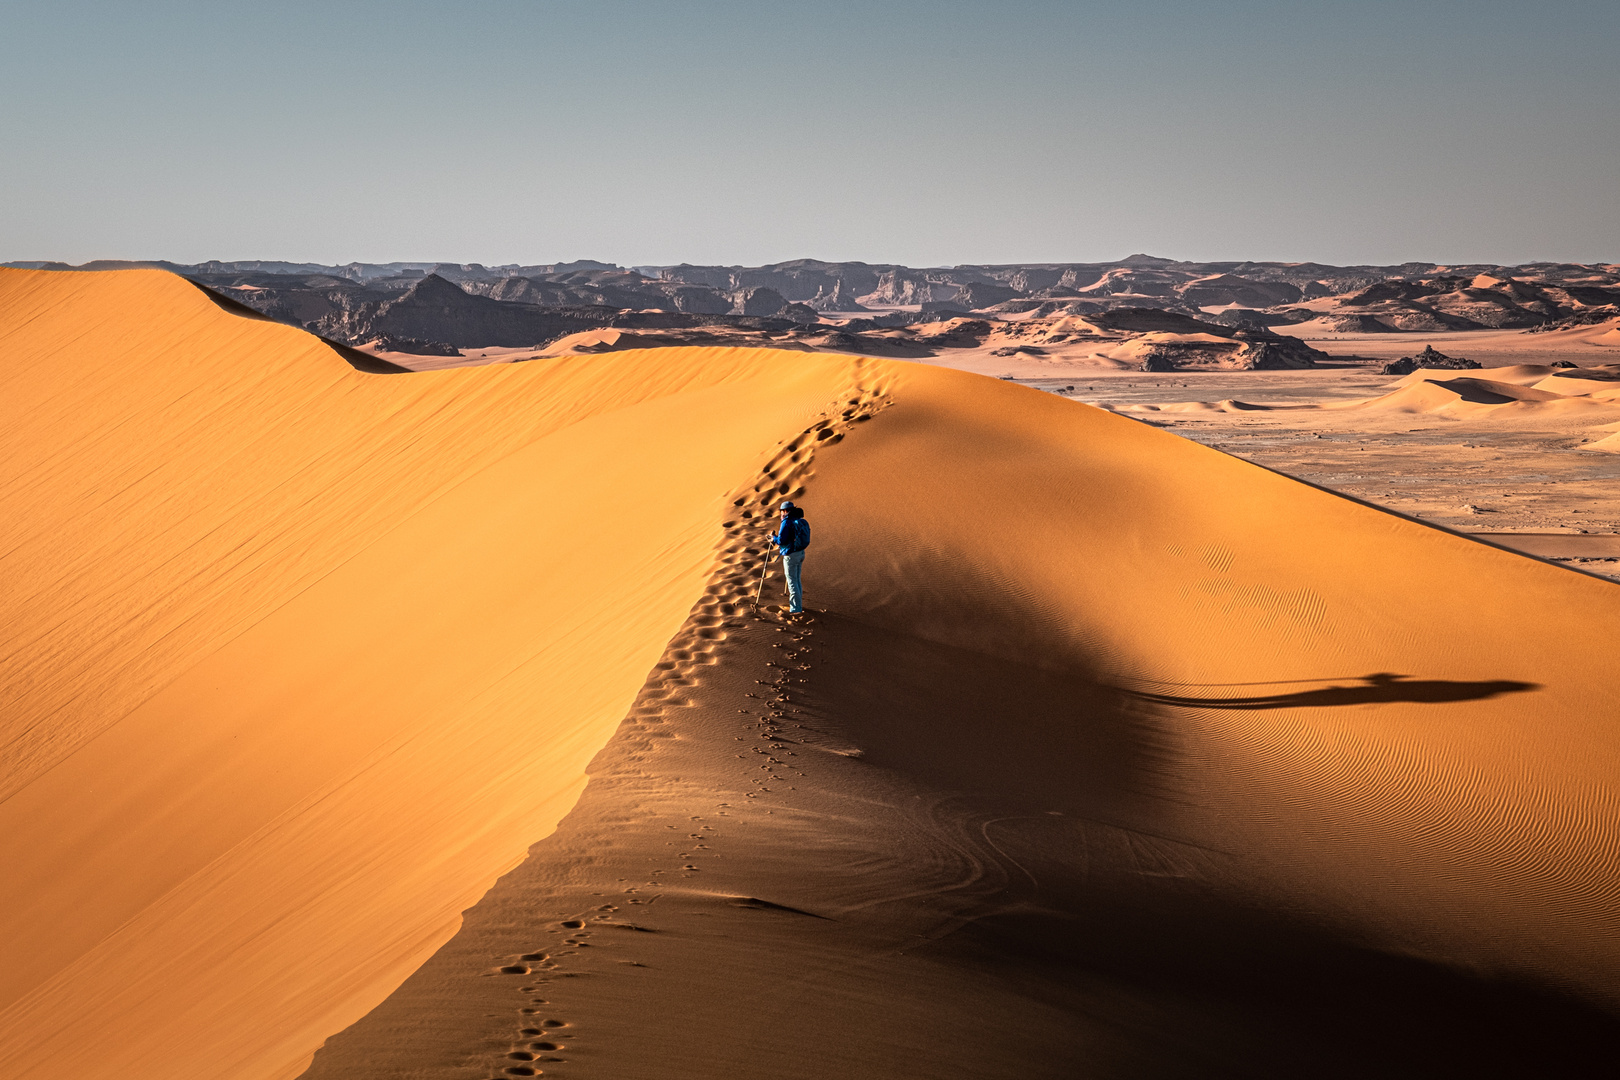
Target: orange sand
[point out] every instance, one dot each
(301, 658)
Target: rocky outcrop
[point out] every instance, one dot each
(412, 346)
(759, 300)
(696, 299)
(837, 297)
(1241, 317)
(802, 280)
(1430, 357)
(1220, 290)
(1155, 320)
(1035, 279)
(1501, 300)
(1586, 317)
(1360, 324)
(903, 288)
(1130, 281)
(521, 290)
(438, 310)
(979, 295)
(1276, 353)
(1247, 348)
(1386, 291)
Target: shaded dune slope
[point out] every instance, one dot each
(1110, 754)
(1422, 721)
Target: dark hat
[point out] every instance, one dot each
(787, 504)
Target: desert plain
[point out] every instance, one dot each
(378, 713)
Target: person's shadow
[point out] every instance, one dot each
(1381, 686)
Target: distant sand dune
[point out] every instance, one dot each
(1130, 752)
(1521, 392)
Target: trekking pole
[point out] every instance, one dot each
(759, 590)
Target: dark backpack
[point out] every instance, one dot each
(798, 534)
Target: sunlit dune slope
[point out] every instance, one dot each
(299, 658)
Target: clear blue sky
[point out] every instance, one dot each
(922, 133)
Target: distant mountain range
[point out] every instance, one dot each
(441, 307)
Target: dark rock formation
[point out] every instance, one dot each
(799, 313)
(978, 295)
(1361, 324)
(1238, 317)
(1430, 357)
(836, 298)
(758, 300)
(348, 302)
(438, 310)
(413, 346)
(1150, 320)
(1223, 289)
(697, 300)
(1584, 317)
(1278, 354)
(1390, 290)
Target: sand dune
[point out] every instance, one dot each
(1129, 756)
(301, 658)
(1609, 444)
(1517, 374)
(1465, 395)
(1127, 770)
(1523, 392)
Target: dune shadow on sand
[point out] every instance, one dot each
(1379, 687)
(1153, 946)
(1229, 992)
(967, 721)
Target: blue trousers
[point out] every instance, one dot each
(791, 563)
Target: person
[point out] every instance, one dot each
(792, 536)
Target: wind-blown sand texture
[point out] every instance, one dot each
(1107, 754)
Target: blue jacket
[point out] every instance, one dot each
(792, 535)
